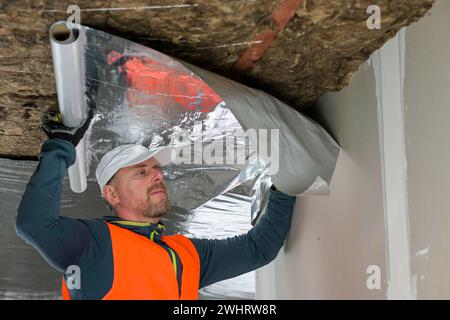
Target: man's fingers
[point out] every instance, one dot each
(45, 128)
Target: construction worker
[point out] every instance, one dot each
(127, 256)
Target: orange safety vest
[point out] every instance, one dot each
(143, 270)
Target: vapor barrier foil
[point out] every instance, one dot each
(231, 140)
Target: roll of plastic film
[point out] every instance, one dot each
(68, 65)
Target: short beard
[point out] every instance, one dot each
(158, 210)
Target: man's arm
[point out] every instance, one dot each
(230, 257)
(62, 241)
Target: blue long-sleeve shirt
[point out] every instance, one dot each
(65, 241)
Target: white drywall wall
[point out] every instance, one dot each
(427, 133)
(334, 239)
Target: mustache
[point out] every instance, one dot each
(159, 185)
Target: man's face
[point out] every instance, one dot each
(139, 191)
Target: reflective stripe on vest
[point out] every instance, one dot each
(144, 271)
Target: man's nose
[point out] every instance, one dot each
(157, 176)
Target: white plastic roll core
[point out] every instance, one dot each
(68, 65)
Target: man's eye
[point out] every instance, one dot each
(142, 172)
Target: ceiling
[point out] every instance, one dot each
(295, 50)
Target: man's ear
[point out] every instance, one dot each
(110, 195)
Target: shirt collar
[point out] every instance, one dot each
(153, 231)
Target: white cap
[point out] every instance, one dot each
(128, 155)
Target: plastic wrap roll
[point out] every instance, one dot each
(68, 64)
